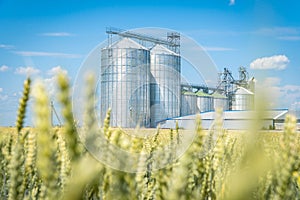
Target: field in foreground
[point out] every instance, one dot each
(51, 163)
(218, 165)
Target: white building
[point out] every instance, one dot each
(234, 120)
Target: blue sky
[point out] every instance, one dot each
(43, 37)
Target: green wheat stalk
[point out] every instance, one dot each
(47, 146)
(70, 131)
(22, 105)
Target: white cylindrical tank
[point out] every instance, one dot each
(243, 99)
(125, 75)
(164, 84)
(205, 102)
(220, 101)
(188, 103)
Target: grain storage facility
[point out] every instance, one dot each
(140, 80)
(164, 83)
(205, 102)
(243, 99)
(220, 101)
(188, 103)
(125, 74)
(140, 84)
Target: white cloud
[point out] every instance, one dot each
(46, 54)
(3, 97)
(271, 81)
(51, 86)
(295, 108)
(27, 71)
(231, 2)
(278, 62)
(57, 34)
(6, 46)
(290, 94)
(56, 70)
(292, 88)
(277, 95)
(268, 92)
(4, 68)
(51, 82)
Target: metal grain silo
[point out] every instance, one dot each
(220, 101)
(205, 102)
(164, 84)
(125, 74)
(243, 99)
(188, 103)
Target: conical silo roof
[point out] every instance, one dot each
(218, 95)
(160, 49)
(242, 90)
(128, 44)
(189, 93)
(203, 94)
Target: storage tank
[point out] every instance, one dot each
(243, 99)
(205, 102)
(188, 104)
(125, 75)
(220, 101)
(164, 84)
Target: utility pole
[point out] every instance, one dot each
(54, 111)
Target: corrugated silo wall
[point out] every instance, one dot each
(188, 105)
(164, 86)
(125, 74)
(243, 102)
(205, 103)
(222, 103)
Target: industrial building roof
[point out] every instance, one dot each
(231, 119)
(160, 49)
(239, 114)
(247, 114)
(218, 96)
(242, 90)
(202, 94)
(189, 93)
(127, 43)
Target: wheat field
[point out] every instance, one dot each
(52, 163)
